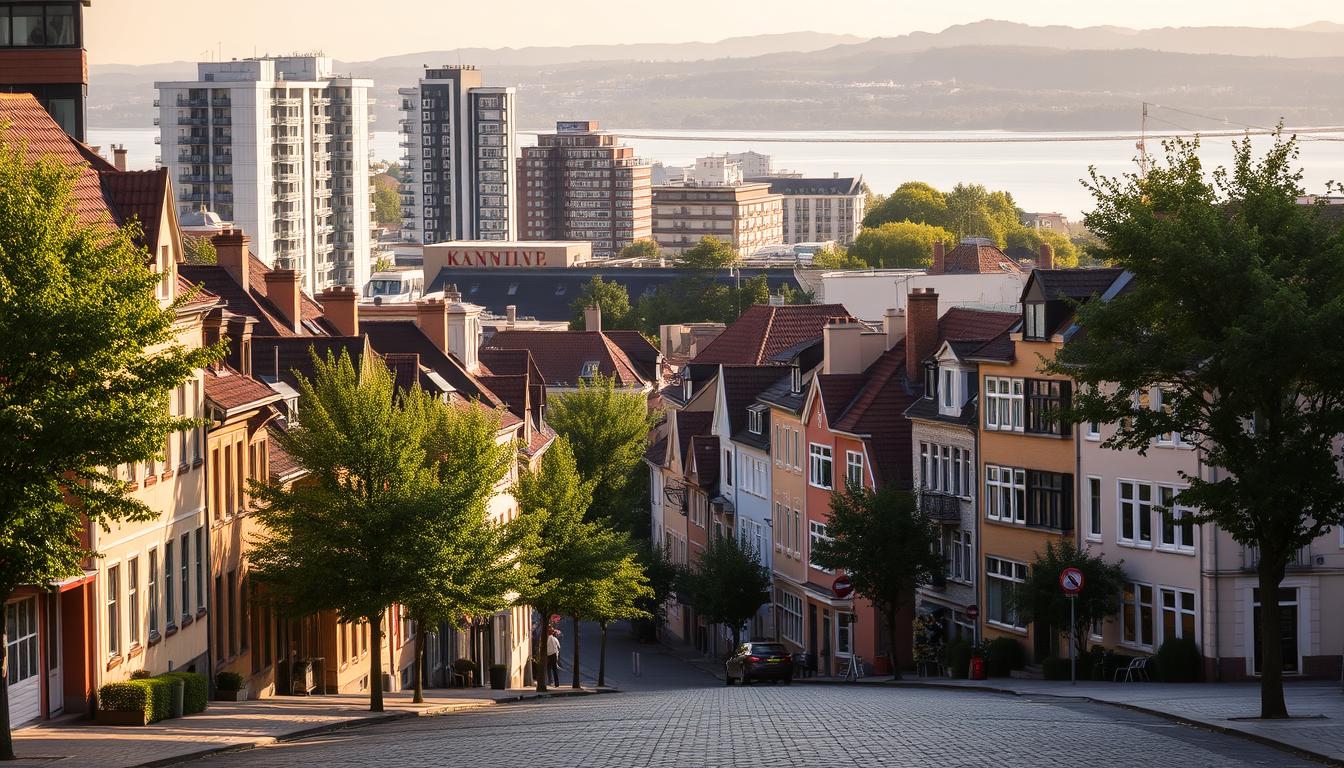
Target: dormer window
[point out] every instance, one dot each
(686, 389)
(948, 390)
(589, 370)
(756, 419)
(1033, 321)
(930, 380)
(796, 380)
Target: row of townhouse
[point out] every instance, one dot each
(173, 592)
(790, 404)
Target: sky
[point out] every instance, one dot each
(152, 31)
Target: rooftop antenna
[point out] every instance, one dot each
(1142, 144)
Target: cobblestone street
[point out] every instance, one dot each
(775, 725)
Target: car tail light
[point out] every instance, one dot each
(753, 658)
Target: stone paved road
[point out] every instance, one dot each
(777, 726)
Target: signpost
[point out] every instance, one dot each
(842, 587)
(973, 613)
(1071, 582)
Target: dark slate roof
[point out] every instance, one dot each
(764, 331)
(391, 337)
(655, 454)
(706, 449)
(1074, 284)
(816, 186)
(838, 391)
(547, 294)
(997, 350)
(290, 356)
(926, 409)
(741, 386)
(780, 393)
(560, 355)
(690, 424)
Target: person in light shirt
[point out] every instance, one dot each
(553, 655)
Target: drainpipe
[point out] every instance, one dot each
(1217, 592)
(976, 499)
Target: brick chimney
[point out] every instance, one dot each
(921, 331)
(939, 265)
(282, 288)
(231, 253)
(431, 316)
(893, 323)
(592, 318)
(119, 156)
(1047, 257)
(340, 305)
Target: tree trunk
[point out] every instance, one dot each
(574, 622)
(737, 637)
(602, 656)
(376, 662)
(6, 738)
(421, 637)
(1272, 704)
(391, 632)
(539, 650)
(891, 644)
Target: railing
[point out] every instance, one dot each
(183, 101)
(187, 121)
(193, 139)
(1300, 559)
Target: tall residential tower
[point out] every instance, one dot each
(280, 147)
(461, 156)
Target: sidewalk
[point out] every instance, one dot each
(239, 725)
(1317, 708)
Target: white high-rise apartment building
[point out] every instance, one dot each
(280, 147)
(461, 159)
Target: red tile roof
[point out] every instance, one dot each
(231, 390)
(976, 258)
(283, 466)
(765, 330)
(31, 128)
(560, 355)
(253, 303)
(138, 196)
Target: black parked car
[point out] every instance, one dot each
(759, 661)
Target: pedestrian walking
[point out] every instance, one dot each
(553, 656)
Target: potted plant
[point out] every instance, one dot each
(230, 686)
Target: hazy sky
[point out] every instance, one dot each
(147, 31)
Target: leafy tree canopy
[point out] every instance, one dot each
(728, 584)
(644, 248)
(837, 258)
(1041, 599)
(710, 255)
(900, 244)
(611, 296)
(198, 250)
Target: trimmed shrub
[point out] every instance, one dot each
(1178, 661)
(957, 657)
(229, 681)
(161, 697)
(131, 696)
(1003, 655)
(141, 674)
(1055, 668)
(196, 691)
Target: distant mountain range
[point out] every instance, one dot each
(986, 75)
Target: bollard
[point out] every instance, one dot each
(634, 663)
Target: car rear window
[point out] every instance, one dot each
(768, 648)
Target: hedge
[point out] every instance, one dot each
(957, 656)
(154, 695)
(1178, 661)
(229, 681)
(1003, 655)
(1055, 668)
(196, 694)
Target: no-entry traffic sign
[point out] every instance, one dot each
(1071, 581)
(842, 587)
(972, 611)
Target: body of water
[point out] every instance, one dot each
(1041, 172)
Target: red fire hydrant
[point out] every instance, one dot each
(978, 668)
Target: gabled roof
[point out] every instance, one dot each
(404, 337)
(641, 353)
(1072, 284)
(976, 256)
(32, 129)
(562, 355)
(232, 391)
(690, 424)
(283, 466)
(254, 302)
(781, 393)
(765, 330)
(837, 391)
(281, 357)
(706, 450)
(138, 196)
(656, 453)
(742, 384)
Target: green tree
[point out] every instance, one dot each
(662, 575)
(728, 584)
(644, 248)
(885, 544)
(751, 291)
(82, 392)
(912, 201)
(384, 263)
(709, 255)
(1040, 599)
(1230, 326)
(612, 589)
(198, 250)
(455, 561)
(386, 204)
(610, 295)
(627, 591)
(1030, 238)
(837, 258)
(790, 296)
(899, 244)
(608, 431)
(336, 543)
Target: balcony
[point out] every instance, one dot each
(191, 177)
(1302, 559)
(221, 102)
(942, 508)
(193, 197)
(194, 159)
(187, 121)
(201, 101)
(222, 120)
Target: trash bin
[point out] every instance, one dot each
(499, 677)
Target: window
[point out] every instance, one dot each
(930, 381)
(1034, 321)
(1003, 403)
(1002, 578)
(816, 532)
(113, 610)
(1136, 514)
(796, 380)
(1162, 402)
(186, 573)
(1045, 399)
(1094, 508)
(1178, 532)
(221, 630)
(949, 389)
(168, 583)
(21, 641)
(1092, 430)
(1050, 500)
(755, 419)
(200, 574)
(232, 586)
(728, 466)
(1178, 613)
(790, 616)
(153, 576)
(133, 599)
(1136, 615)
(844, 633)
(960, 556)
(853, 468)
(1006, 494)
(819, 465)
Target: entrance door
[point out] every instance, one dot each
(1287, 630)
(826, 643)
(55, 689)
(21, 647)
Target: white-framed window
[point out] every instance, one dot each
(816, 532)
(795, 450)
(844, 633)
(1003, 404)
(779, 527)
(1005, 494)
(113, 610)
(699, 508)
(1033, 326)
(21, 641)
(948, 390)
(1136, 615)
(133, 599)
(1002, 580)
(1094, 508)
(756, 419)
(790, 616)
(152, 576)
(1161, 401)
(853, 468)
(1092, 431)
(960, 556)
(1177, 532)
(1178, 613)
(728, 466)
(1135, 512)
(777, 444)
(819, 466)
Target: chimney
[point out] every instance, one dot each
(1047, 257)
(511, 314)
(119, 156)
(592, 318)
(939, 265)
(893, 323)
(282, 288)
(340, 306)
(431, 316)
(451, 294)
(921, 331)
(841, 346)
(231, 253)
(239, 330)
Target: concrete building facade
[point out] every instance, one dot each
(818, 210)
(747, 216)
